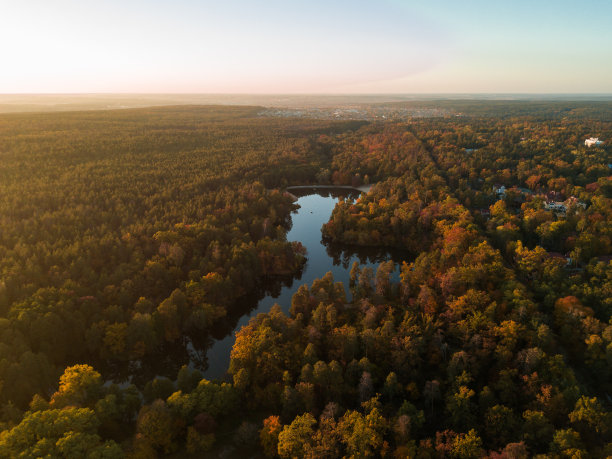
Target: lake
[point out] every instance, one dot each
(315, 209)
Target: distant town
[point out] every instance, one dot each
(357, 112)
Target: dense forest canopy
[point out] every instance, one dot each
(128, 238)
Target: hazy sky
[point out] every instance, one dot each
(295, 46)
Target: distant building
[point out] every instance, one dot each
(500, 191)
(554, 196)
(555, 206)
(592, 141)
(574, 201)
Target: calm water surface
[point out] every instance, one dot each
(315, 210)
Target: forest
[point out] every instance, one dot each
(130, 239)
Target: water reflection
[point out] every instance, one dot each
(344, 255)
(315, 209)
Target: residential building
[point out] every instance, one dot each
(592, 141)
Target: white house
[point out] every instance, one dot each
(500, 191)
(592, 141)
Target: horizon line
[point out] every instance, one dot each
(296, 93)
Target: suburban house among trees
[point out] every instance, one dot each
(592, 141)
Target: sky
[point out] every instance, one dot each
(312, 46)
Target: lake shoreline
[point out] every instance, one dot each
(360, 188)
(316, 207)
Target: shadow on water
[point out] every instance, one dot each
(316, 206)
(344, 255)
(210, 353)
(193, 350)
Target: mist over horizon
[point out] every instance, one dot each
(16, 103)
(389, 46)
